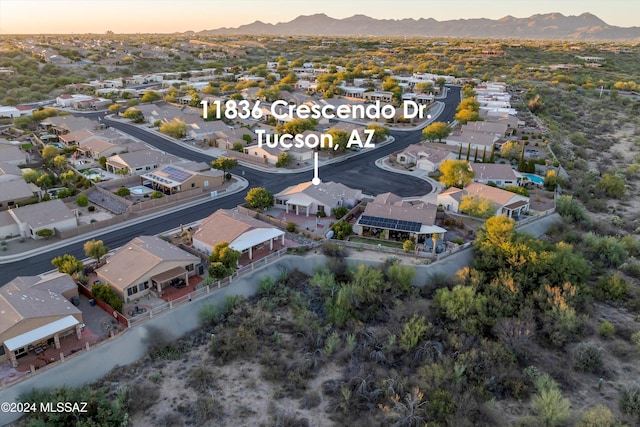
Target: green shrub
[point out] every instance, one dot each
(607, 329)
(332, 343)
(408, 246)
(598, 416)
(571, 209)
(630, 401)
(82, 200)
(218, 270)
(291, 227)
(342, 230)
(587, 358)
(339, 212)
(107, 294)
(91, 208)
(334, 250)
(45, 232)
(123, 192)
(413, 332)
(548, 403)
(635, 338)
(611, 288)
(157, 195)
(632, 269)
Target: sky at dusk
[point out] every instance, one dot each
(167, 16)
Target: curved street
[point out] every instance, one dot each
(358, 172)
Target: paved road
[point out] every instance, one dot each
(357, 172)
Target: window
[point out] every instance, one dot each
(189, 267)
(143, 286)
(132, 290)
(2, 353)
(206, 183)
(320, 208)
(193, 184)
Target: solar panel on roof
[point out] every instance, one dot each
(389, 223)
(176, 175)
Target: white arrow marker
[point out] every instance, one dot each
(316, 179)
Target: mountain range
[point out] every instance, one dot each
(541, 26)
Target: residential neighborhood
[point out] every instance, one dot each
(320, 221)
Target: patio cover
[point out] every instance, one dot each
(300, 200)
(254, 237)
(430, 229)
(169, 274)
(516, 205)
(38, 334)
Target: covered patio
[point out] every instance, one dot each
(298, 201)
(516, 209)
(257, 239)
(175, 276)
(39, 339)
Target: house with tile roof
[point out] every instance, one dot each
(139, 162)
(95, 147)
(424, 157)
(12, 154)
(174, 178)
(53, 215)
(14, 193)
(61, 125)
(8, 226)
(306, 198)
(9, 172)
(146, 264)
(400, 220)
(36, 312)
(242, 232)
(499, 130)
(472, 140)
(506, 202)
(500, 174)
(74, 138)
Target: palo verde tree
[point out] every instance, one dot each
(224, 254)
(455, 173)
(259, 198)
(379, 132)
(95, 249)
(477, 206)
(224, 164)
(151, 96)
(67, 264)
(134, 115)
(436, 130)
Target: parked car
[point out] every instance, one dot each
(188, 138)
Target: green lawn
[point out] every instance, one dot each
(387, 243)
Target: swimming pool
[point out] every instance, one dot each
(93, 175)
(140, 190)
(536, 179)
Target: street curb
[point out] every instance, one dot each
(435, 186)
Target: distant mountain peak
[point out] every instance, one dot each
(540, 26)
